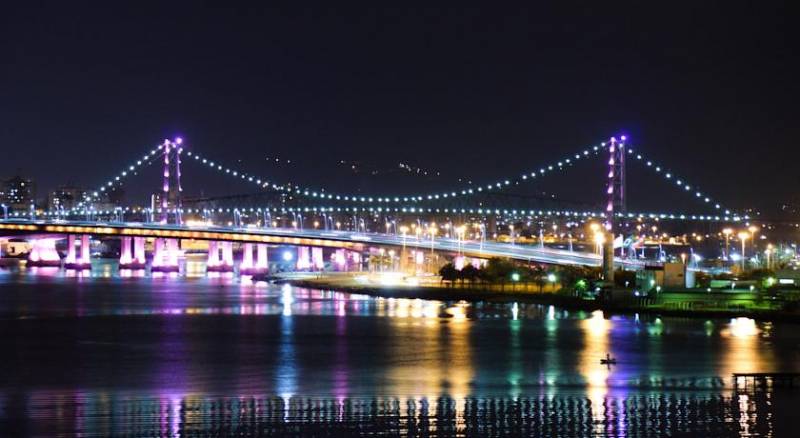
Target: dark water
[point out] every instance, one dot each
(101, 356)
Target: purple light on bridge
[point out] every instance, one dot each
(262, 262)
(125, 257)
(213, 254)
(247, 257)
(303, 257)
(317, 261)
(44, 252)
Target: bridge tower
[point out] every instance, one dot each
(616, 202)
(171, 198)
(616, 182)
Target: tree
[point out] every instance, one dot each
(448, 273)
(539, 277)
(470, 273)
(571, 276)
(499, 271)
(380, 262)
(624, 278)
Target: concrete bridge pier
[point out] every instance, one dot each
(247, 258)
(213, 255)
(355, 258)
(131, 254)
(217, 262)
(139, 255)
(227, 255)
(339, 260)
(303, 258)
(165, 258)
(73, 261)
(262, 261)
(317, 261)
(251, 265)
(43, 253)
(125, 253)
(608, 260)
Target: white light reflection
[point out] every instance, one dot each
(287, 299)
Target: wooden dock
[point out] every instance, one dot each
(758, 381)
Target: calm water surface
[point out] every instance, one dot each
(101, 354)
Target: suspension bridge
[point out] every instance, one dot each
(256, 229)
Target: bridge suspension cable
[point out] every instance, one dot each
(500, 185)
(560, 165)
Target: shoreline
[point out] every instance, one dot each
(565, 302)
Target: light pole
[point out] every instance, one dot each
(599, 239)
(541, 237)
(569, 235)
(743, 237)
(768, 253)
(5, 211)
(460, 236)
(727, 232)
(432, 230)
(482, 231)
(753, 230)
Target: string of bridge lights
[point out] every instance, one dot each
(399, 210)
(497, 186)
(234, 173)
(131, 168)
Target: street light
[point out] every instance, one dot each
(5, 211)
(599, 240)
(460, 230)
(743, 235)
(753, 230)
(767, 253)
(727, 232)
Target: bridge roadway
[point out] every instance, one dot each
(304, 237)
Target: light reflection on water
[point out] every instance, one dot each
(649, 414)
(156, 355)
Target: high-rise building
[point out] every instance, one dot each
(65, 197)
(18, 193)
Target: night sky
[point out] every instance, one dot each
(474, 93)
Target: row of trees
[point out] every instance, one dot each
(503, 271)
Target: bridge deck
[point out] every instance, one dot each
(321, 238)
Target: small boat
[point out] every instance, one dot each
(608, 360)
